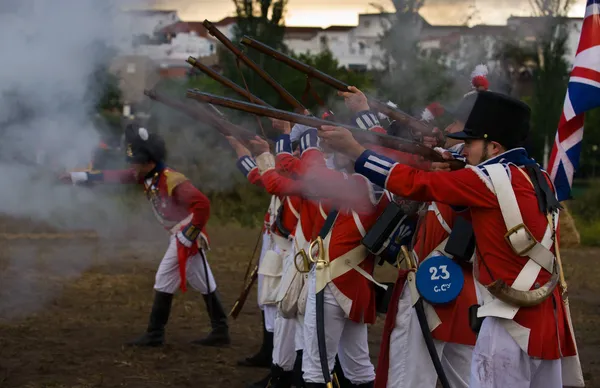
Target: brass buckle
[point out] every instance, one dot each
(320, 259)
(305, 261)
(515, 230)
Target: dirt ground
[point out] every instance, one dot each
(67, 307)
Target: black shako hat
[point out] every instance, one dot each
(143, 147)
(494, 117)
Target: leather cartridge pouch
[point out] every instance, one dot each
(383, 297)
(376, 237)
(474, 321)
(461, 243)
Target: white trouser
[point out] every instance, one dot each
(410, 362)
(299, 337)
(284, 353)
(343, 337)
(168, 278)
(265, 246)
(499, 362)
(270, 311)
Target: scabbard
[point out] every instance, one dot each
(420, 310)
(320, 312)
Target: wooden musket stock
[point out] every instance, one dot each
(393, 113)
(214, 31)
(241, 300)
(359, 134)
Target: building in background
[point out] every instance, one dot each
(162, 42)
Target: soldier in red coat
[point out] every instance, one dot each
(183, 211)
(283, 217)
(247, 165)
(349, 293)
(526, 337)
(404, 360)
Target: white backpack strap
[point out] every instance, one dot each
(359, 224)
(292, 208)
(433, 207)
(518, 236)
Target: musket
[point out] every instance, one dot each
(284, 94)
(360, 135)
(225, 81)
(394, 113)
(239, 303)
(200, 113)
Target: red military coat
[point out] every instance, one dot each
(174, 199)
(454, 316)
(549, 336)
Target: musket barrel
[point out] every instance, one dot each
(225, 81)
(200, 113)
(295, 64)
(360, 135)
(382, 107)
(287, 96)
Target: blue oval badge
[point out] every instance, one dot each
(439, 280)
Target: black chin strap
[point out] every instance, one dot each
(546, 199)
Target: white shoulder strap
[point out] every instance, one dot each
(292, 208)
(518, 235)
(433, 207)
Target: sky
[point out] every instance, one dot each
(324, 13)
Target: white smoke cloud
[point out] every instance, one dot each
(50, 50)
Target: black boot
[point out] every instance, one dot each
(315, 385)
(297, 380)
(155, 334)
(219, 335)
(370, 384)
(264, 382)
(264, 357)
(281, 378)
(339, 374)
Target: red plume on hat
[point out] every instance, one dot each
(479, 79)
(432, 111)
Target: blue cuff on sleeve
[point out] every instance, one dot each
(95, 176)
(246, 164)
(308, 140)
(283, 145)
(374, 166)
(458, 156)
(366, 120)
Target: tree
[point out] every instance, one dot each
(550, 76)
(409, 78)
(262, 20)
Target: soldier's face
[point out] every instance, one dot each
(478, 151)
(141, 169)
(456, 126)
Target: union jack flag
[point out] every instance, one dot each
(583, 94)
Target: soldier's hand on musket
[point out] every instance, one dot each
(238, 147)
(258, 146)
(283, 126)
(441, 166)
(341, 140)
(355, 100)
(434, 140)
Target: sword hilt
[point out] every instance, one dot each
(411, 263)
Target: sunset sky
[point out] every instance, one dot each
(324, 13)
